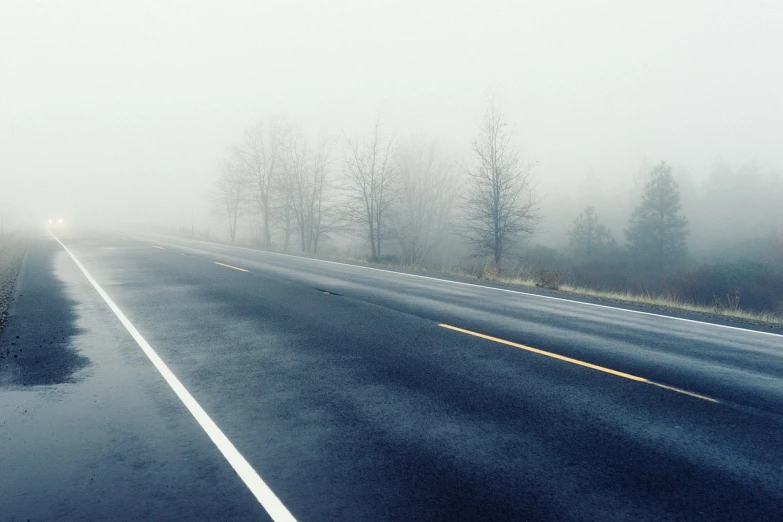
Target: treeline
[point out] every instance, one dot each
(407, 200)
(299, 191)
(404, 198)
(407, 197)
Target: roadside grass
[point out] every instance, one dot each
(663, 303)
(658, 301)
(479, 274)
(667, 302)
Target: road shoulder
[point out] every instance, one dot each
(87, 428)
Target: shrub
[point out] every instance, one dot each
(386, 259)
(549, 279)
(721, 285)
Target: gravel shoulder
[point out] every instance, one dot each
(12, 252)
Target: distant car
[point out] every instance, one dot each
(56, 223)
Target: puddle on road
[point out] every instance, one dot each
(36, 347)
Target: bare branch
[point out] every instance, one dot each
(499, 205)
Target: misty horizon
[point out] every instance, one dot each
(121, 115)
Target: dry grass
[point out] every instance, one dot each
(766, 318)
(667, 302)
(661, 302)
(490, 273)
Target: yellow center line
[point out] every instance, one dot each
(159, 248)
(578, 362)
(234, 267)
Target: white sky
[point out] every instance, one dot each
(123, 108)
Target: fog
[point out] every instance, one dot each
(117, 113)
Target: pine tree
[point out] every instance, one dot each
(657, 231)
(589, 237)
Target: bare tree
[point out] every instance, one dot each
(284, 196)
(425, 195)
(258, 155)
(589, 236)
(369, 178)
(499, 205)
(316, 213)
(306, 189)
(299, 182)
(230, 195)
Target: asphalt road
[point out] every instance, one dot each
(360, 394)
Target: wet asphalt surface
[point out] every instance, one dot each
(340, 388)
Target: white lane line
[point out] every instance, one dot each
(277, 511)
(230, 266)
(693, 321)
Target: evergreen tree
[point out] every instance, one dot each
(657, 231)
(589, 237)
